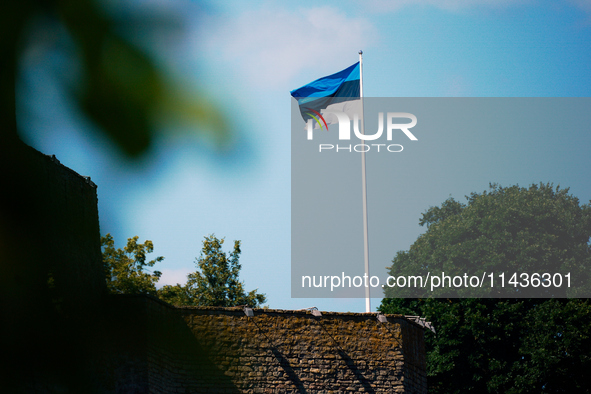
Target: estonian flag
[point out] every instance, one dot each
(336, 92)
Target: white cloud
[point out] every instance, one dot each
(172, 277)
(450, 5)
(272, 45)
(458, 5)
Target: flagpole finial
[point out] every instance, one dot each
(360, 52)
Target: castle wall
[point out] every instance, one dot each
(49, 233)
(221, 350)
(279, 351)
(62, 333)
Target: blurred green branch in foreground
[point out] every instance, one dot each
(121, 88)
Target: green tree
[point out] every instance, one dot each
(514, 229)
(509, 345)
(216, 283)
(125, 268)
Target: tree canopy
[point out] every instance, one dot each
(125, 268)
(509, 345)
(514, 229)
(216, 283)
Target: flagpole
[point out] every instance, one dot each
(364, 191)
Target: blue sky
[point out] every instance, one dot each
(248, 56)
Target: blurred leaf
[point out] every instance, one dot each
(122, 89)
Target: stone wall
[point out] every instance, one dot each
(62, 333)
(278, 351)
(49, 233)
(221, 350)
(52, 274)
(153, 350)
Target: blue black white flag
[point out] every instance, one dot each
(337, 92)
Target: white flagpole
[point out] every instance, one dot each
(364, 190)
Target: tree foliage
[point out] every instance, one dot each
(509, 345)
(504, 345)
(125, 268)
(216, 283)
(536, 229)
